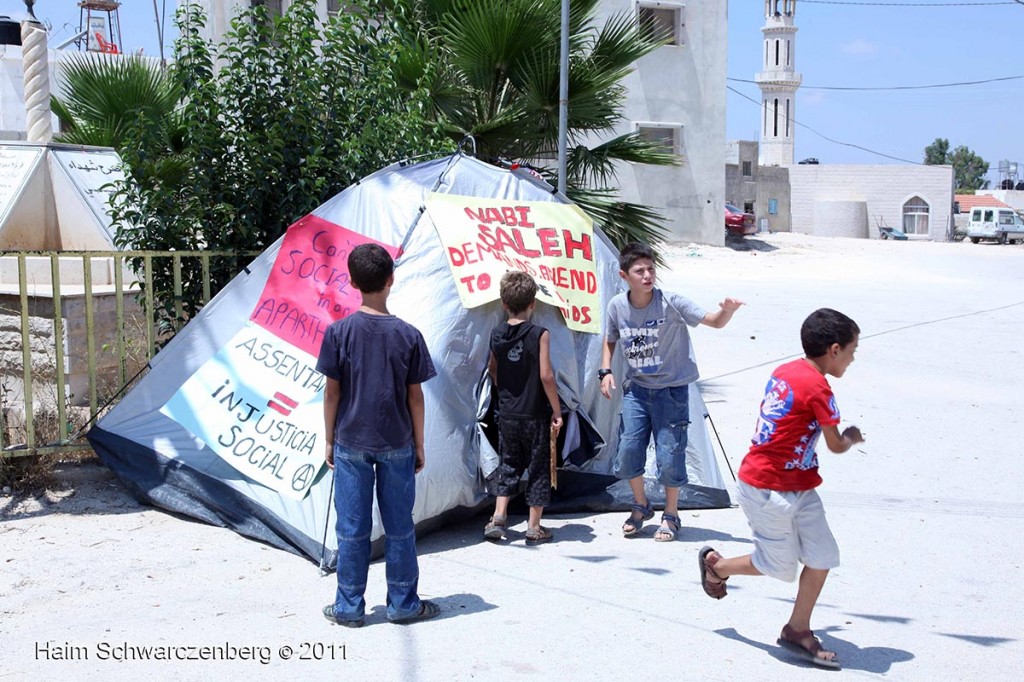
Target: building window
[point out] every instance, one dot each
(665, 135)
(915, 216)
(788, 62)
(661, 20)
(773, 206)
(333, 7)
(787, 117)
(748, 169)
(776, 133)
(767, 53)
(748, 207)
(776, 53)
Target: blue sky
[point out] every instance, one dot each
(837, 45)
(870, 46)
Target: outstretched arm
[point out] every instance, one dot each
(721, 317)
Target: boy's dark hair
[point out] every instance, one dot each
(369, 267)
(824, 327)
(518, 291)
(632, 252)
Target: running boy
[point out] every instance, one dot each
(373, 414)
(780, 472)
(528, 408)
(649, 325)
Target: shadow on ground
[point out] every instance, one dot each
(874, 659)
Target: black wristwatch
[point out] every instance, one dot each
(602, 373)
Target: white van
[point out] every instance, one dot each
(1000, 224)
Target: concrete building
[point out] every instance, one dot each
(778, 81)
(852, 201)
(761, 190)
(676, 96)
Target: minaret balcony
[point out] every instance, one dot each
(780, 78)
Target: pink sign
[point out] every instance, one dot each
(309, 287)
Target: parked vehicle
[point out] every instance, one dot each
(886, 232)
(999, 224)
(739, 223)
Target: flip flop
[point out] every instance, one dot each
(790, 639)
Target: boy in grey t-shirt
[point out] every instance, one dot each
(650, 326)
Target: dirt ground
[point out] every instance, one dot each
(95, 586)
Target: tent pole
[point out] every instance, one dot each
(327, 522)
(707, 415)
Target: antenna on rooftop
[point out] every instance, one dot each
(103, 32)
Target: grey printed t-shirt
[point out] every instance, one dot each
(654, 340)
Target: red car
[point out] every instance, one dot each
(738, 222)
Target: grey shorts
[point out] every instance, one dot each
(789, 528)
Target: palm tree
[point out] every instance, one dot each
(115, 102)
(492, 70)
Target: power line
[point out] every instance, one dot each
(898, 87)
(826, 137)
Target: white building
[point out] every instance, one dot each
(676, 96)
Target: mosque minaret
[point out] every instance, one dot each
(778, 81)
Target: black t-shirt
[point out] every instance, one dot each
(375, 358)
(516, 348)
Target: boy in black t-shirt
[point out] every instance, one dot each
(528, 408)
(373, 414)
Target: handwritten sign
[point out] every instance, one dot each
(554, 243)
(15, 165)
(309, 287)
(258, 404)
(93, 175)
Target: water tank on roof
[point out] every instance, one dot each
(10, 31)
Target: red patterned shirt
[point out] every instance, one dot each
(797, 402)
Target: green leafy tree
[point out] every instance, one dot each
(969, 169)
(491, 68)
(937, 153)
(283, 114)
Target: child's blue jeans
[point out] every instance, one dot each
(665, 412)
(354, 475)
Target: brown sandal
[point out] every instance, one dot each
(793, 640)
(713, 584)
(541, 534)
(495, 528)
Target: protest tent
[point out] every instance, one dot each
(227, 424)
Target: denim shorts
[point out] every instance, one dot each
(663, 413)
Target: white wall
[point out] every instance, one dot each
(1010, 197)
(885, 189)
(685, 85)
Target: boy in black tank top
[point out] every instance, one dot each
(528, 408)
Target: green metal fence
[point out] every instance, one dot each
(44, 305)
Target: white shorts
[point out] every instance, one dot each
(789, 527)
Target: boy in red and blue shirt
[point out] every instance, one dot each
(780, 472)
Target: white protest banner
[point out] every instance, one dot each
(258, 404)
(552, 242)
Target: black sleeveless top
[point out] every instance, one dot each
(517, 351)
